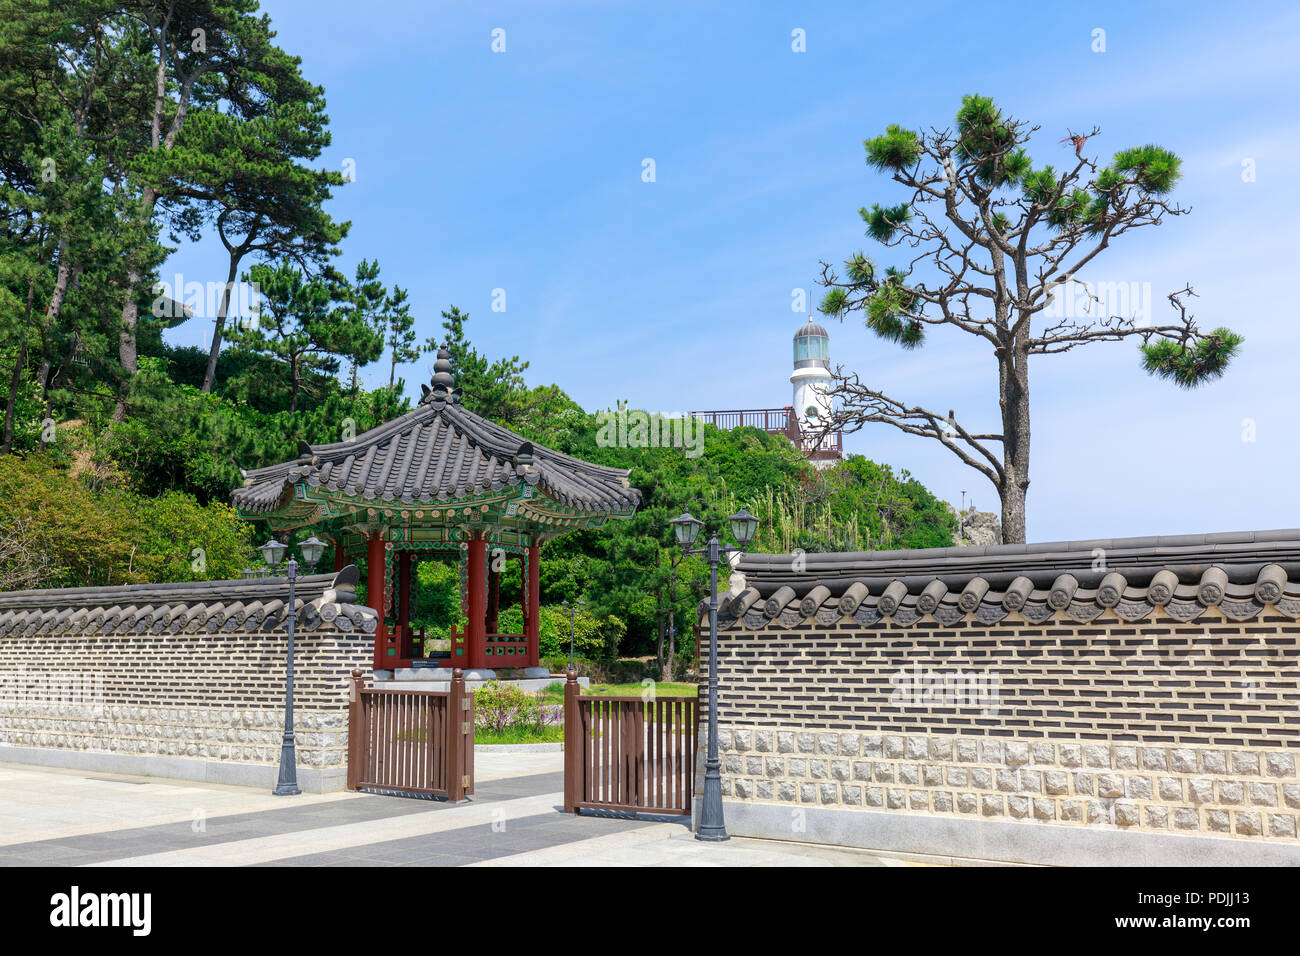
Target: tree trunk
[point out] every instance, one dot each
(62, 278)
(43, 376)
(15, 380)
(210, 375)
(127, 354)
(1013, 513)
(659, 646)
(1014, 486)
(672, 647)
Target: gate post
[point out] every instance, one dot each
(357, 731)
(456, 734)
(575, 754)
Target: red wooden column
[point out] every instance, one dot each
(533, 617)
(340, 558)
(375, 600)
(493, 599)
(476, 612)
(404, 602)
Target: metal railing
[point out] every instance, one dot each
(776, 421)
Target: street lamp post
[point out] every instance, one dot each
(574, 608)
(273, 553)
(687, 529)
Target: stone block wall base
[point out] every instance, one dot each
(262, 776)
(1002, 841)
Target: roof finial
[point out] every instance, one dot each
(443, 381)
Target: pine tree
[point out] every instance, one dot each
(308, 324)
(989, 239)
(400, 332)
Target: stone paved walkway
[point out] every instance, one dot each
(75, 818)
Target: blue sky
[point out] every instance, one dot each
(521, 171)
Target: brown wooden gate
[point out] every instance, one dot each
(628, 753)
(411, 743)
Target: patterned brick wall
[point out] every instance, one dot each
(1157, 725)
(215, 696)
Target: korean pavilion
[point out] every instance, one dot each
(439, 480)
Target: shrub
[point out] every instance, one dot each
(684, 663)
(92, 536)
(629, 670)
(501, 707)
(559, 664)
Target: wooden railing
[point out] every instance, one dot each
(507, 650)
(628, 753)
(411, 742)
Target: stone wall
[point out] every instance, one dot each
(1152, 742)
(206, 705)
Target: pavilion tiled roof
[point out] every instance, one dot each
(438, 452)
(1240, 573)
(258, 604)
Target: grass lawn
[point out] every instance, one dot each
(512, 736)
(662, 689)
(556, 691)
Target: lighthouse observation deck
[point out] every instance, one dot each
(779, 421)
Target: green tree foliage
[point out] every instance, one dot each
(593, 637)
(437, 598)
(308, 325)
(88, 535)
(178, 437)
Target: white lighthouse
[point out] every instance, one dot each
(812, 410)
(812, 378)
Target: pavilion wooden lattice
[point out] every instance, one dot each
(434, 481)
